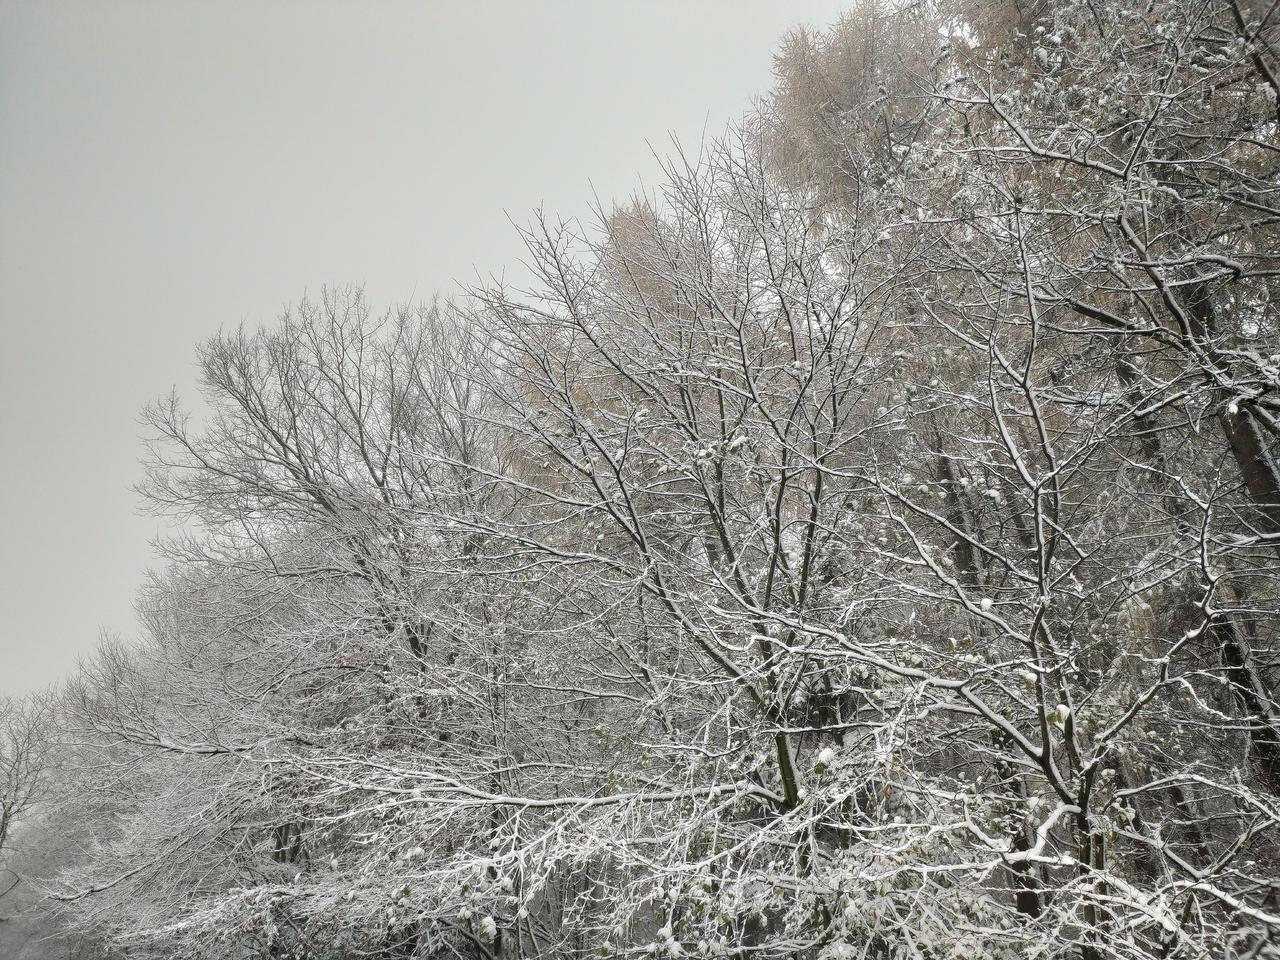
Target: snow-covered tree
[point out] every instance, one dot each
(865, 545)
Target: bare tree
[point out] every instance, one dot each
(24, 745)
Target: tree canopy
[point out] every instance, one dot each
(866, 545)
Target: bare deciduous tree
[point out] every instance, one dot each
(24, 728)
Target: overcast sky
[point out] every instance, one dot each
(170, 168)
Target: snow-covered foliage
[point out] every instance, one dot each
(866, 546)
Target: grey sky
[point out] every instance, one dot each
(169, 168)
